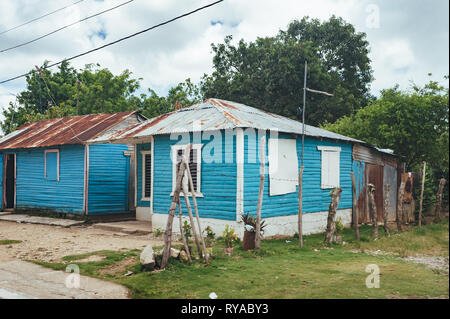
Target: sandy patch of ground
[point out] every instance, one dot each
(51, 243)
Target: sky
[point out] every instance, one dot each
(408, 38)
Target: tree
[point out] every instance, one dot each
(268, 73)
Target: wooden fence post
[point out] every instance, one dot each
(262, 153)
(185, 243)
(387, 188)
(373, 210)
(439, 199)
(355, 208)
(173, 207)
(399, 211)
(331, 225)
(421, 193)
(300, 208)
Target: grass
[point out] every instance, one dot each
(9, 242)
(282, 270)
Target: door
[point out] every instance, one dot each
(9, 196)
(376, 178)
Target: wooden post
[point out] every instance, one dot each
(173, 207)
(439, 199)
(373, 210)
(194, 200)
(355, 208)
(399, 211)
(421, 193)
(185, 243)
(262, 151)
(331, 226)
(191, 218)
(387, 188)
(300, 208)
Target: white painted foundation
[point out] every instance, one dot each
(283, 225)
(144, 214)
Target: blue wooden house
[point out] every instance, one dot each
(49, 165)
(225, 166)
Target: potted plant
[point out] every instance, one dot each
(248, 241)
(229, 237)
(187, 230)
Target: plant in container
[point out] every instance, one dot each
(248, 242)
(229, 237)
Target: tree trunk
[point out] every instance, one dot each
(355, 208)
(439, 199)
(300, 208)
(387, 188)
(373, 210)
(173, 207)
(399, 211)
(421, 193)
(185, 243)
(331, 226)
(262, 149)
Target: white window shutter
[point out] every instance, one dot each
(330, 166)
(325, 169)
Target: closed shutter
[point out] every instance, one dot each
(193, 156)
(147, 175)
(330, 167)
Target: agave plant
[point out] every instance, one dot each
(250, 223)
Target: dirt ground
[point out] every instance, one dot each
(51, 243)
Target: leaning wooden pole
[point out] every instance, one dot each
(172, 209)
(373, 210)
(191, 219)
(300, 208)
(194, 200)
(331, 225)
(262, 152)
(439, 199)
(399, 212)
(421, 193)
(387, 188)
(355, 208)
(185, 243)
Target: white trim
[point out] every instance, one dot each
(57, 162)
(87, 180)
(329, 148)
(135, 174)
(175, 149)
(329, 151)
(143, 153)
(239, 174)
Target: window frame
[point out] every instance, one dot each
(143, 154)
(57, 163)
(329, 149)
(174, 152)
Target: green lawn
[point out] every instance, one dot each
(282, 270)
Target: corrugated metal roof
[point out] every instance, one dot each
(60, 131)
(216, 114)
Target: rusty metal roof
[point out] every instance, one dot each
(61, 131)
(216, 114)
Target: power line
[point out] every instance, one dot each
(45, 15)
(116, 41)
(64, 27)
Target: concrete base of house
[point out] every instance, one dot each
(283, 225)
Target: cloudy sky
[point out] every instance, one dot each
(408, 38)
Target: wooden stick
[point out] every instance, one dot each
(387, 188)
(185, 243)
(421, 193)
(194, 200)
(331, 225)
(399, 212)
(355, 208)
(191, 218)
(300, 208)
(439, 199)
(262, 149)
(373, 210)
(173, 207)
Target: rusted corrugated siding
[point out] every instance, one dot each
(61, 131)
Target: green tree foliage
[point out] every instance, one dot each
(413, 123)
(68, 92)
(268, 73)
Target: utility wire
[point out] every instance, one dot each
(119, 40)
(45, 15)
(64, 27)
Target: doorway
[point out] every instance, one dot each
(9, 183)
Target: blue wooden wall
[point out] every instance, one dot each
(34, 191)
(108, 179)
(218, 180)
(1, 181)
(315, 199)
